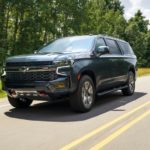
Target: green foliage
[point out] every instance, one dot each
(25, 25)
(138, 36)
(2, 93)
(147, 50)
(139, 19)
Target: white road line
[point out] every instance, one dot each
(2, 106)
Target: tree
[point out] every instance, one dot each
(114, 5)
(25, 25)
(103, 17)
(147, 50)
(141, 22)
(3, 34)
(136, 32)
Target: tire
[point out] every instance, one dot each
(131, 85)
(19, 102)
(83, 99)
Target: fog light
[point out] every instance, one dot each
(60, 85)
(13, 93)
(42, 93)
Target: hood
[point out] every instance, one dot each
(46, 57)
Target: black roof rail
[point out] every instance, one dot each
(110, 37)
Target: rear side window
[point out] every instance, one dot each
(126, 48)
(114, 48)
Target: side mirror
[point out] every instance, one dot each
(101, 50)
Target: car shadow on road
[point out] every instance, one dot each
(61, 112)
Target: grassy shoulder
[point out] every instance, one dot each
(141, 72)
(2, 93)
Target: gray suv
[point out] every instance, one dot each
(77, 67)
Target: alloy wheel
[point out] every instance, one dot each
(87, 94)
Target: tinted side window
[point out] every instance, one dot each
(114, 49)
(126, 48)
(100, 42)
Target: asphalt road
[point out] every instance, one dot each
(115, 123)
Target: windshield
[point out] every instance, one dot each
(69, 44)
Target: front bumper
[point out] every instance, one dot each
(40, 90)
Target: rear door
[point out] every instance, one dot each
(117, 63)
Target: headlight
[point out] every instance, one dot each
(3, 71)
(64, 70)
(63, 67)
(63, 63)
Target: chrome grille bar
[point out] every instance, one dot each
(30, 69)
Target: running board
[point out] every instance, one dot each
(113, 90)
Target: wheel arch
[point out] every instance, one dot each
(90, 73)
(132, 68)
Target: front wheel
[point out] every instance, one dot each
(84, 97)
(130, 85)
(19, 102)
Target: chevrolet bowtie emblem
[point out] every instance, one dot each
(24, 69)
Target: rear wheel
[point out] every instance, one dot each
(19, 102)
(131, 85)
(84, 97)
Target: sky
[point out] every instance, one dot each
(131, 7)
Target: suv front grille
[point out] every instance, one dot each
(31, 76)
(20, 64)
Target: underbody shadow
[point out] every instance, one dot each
(61, 112)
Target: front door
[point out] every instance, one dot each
(104, 66)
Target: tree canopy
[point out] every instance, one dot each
(25, 25)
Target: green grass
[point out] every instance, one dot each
(2, 93)
(141, 72)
